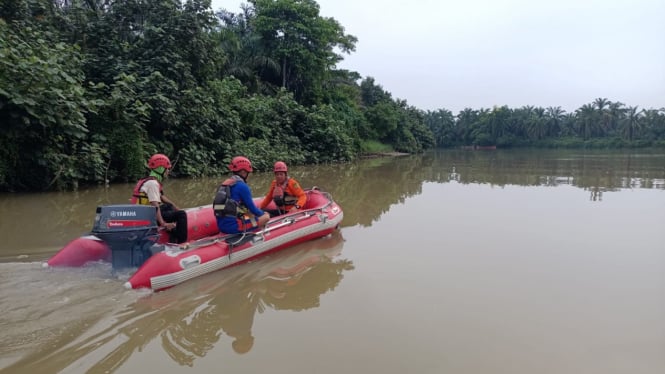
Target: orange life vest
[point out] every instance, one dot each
(139, 197)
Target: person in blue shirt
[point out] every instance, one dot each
(233, 204)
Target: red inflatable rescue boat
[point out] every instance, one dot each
(127, 236)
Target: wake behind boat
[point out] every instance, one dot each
(128, 236)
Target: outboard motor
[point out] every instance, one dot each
(129, 230)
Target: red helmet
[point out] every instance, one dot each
(241, 163)
(280, 166)
(158, 160)
(243, 344)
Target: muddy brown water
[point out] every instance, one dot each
(506, 261)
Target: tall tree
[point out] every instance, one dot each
(555, 117)
(42, 105)
(632, 122)
(244, 54)
(602, 115)
(442, 124)
(616, 112)
(303, 42)
(587, 121)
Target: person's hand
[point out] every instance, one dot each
(292, 210)
(263, 220)
(169, 226)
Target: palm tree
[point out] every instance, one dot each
(653, 123)
(555, 116)
(616, 113)
(539, 123)
(465, 120)
(632, 123)
(245, 56)
(602, 115)
(442, 125)
(601, 103)
(499, 121)
(522, 120)
(567, 125)
(586, 121)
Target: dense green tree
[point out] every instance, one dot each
(42, 109)
(90, 88)
(244, 54)
(555, 117)
(587, 121)
(631, 124)
(303, 42)
(442, 125)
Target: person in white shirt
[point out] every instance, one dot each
(148, 191)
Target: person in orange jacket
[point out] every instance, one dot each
(284, 191)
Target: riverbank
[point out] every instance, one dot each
(383, 154)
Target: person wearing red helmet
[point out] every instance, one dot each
(148, 191)
(233, 204)
(284, 191)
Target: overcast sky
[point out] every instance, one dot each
(480, 53)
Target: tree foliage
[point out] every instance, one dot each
(43, 105)
(89, 89)
(601, 123)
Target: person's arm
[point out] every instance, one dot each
(246, 196)
(151, 189)
(268, 198)
(298, 192)
(160, 219)
(166, 200)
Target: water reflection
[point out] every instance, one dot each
(294, 281)
(607, 170)
(563, 248)
(596, 193)
(365, 189)
(191, 319)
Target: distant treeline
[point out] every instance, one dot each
(89, 89)
(600, 124)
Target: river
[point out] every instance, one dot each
(504, 261)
